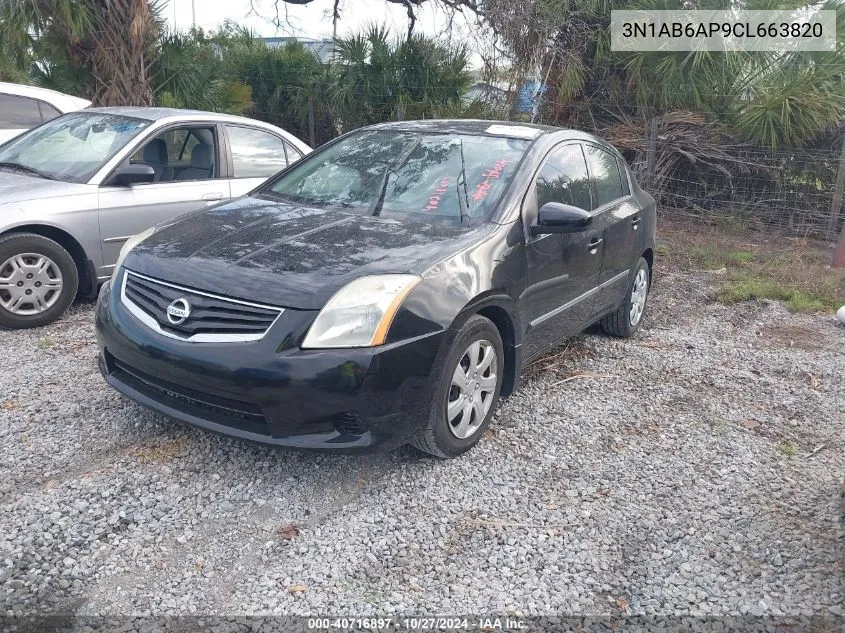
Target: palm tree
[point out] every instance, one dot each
(111, 45)
(193, 70)
(378, 78)
(774, 100)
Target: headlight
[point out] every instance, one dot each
(128, 245)
(360, 313)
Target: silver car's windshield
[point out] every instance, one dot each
(71, 148)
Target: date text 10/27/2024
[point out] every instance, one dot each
(421, 623)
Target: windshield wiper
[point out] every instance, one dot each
(463, 201)
(29, 170)
(378, 201)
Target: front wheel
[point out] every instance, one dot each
(38, 280)
(466, 392)
(626, 320)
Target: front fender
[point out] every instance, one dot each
(485, 278)
(491, 272)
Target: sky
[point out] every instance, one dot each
(312, 20)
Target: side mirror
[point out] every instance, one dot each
(132, 174)
(556, 217)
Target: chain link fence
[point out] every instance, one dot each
(692, 167)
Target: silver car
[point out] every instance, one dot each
(73, 190)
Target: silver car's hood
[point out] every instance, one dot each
(18, 187)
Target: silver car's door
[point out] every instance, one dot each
(256, 155)
(187, 163)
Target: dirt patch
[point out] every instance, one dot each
(748, 265)
(796, 335)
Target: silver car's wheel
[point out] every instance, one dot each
(639, 293)
(38, 280)
(473, 389)
(30, 283)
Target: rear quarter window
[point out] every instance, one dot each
(48, 112)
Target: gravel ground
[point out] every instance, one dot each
(693, 469)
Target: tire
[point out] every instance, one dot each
(622, 322)
(44, 271)
(440, 436)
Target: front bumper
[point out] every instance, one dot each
(353, 400)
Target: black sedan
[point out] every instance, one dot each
(386, 289)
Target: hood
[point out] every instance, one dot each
(297, 257)
(18, 187)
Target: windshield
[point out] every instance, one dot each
(73, 147)
(389, 173)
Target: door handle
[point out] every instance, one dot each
(636, 222)
(594, 244)
(212, 197)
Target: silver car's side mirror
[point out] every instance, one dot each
(132, 174)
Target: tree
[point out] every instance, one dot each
(772, 99)
(377, 78)
(411, 6)
(194, 70)
(110, 43)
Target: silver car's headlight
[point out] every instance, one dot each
(360, 313)
(128, 245)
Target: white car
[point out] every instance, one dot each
(25, 107)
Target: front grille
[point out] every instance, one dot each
(247, 416)
(212, 318)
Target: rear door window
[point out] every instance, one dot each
(18, 112)
(256, 153)
(606, 177)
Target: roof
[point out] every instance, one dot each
(469, 126)
(324, 49)
(59, 100)
(484, 86)
(179, 115)
(156, 114)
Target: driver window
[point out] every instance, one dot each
(564, 179)
(180, 154)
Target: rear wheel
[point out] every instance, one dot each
(626, 320)
(38, 280)
(466, 392)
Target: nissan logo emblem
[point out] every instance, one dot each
(178, 311)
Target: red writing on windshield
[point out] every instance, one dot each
(483, 189)
(442, 186)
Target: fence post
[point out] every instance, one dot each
(839, 253)
(838, 190)
(312, 133)
(651, 155)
